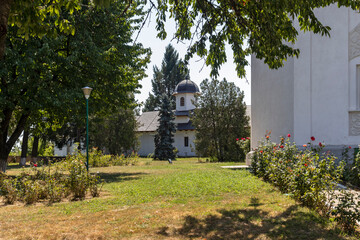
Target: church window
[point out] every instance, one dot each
(182, 101)
(186, 141)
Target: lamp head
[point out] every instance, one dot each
(87, 91)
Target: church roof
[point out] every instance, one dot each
(148, 121)
(185, 126)
(186, 86)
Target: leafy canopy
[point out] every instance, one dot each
(260, 27)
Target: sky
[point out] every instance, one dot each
(198, 70)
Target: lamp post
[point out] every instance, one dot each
(87, 91)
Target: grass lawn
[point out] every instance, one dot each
(156, 200)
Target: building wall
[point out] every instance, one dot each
(189, 98)
(271, 100)
(147, 145)
(179, 143)
(319, 91)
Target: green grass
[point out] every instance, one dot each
(185, 200)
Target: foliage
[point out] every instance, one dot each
(52, 183)
(244, 144)
(115, 133)
(261, 28)
(164, 138)
(98, 159)
(165, 79)
(352, 168)
(309, 176)
(346, 212)
(219, 120)
(41, 79)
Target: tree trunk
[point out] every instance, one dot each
(5, 6)
(35, 147)
(4, 154)
(24, 147)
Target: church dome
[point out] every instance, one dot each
(186, 86)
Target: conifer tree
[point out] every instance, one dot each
(165, 79)
(164, 139)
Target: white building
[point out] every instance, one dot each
(317, 94)
(184, 136)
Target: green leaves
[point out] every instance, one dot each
(263, 28)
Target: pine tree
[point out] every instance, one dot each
(173, 71)
(164, 139)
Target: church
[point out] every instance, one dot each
(184, 136)
(316, 95)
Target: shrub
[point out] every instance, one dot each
(67, 179)
(346, 211)
(306, 174)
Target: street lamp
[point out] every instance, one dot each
(87, 91)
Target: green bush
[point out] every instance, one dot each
(98, 159)
(53, 183)
(306, 174)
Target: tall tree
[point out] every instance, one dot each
(165, 79)
(42, 78)
(164, 138)
(114, 133)
(220, 118)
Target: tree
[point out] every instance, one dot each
(42, 78)
(219, 120)
(164, 138)
(115, 133)
(262, 28)
(165, 79)
(38, 18)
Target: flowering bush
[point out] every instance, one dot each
(244, 144)
(305, 174)
(53, 183)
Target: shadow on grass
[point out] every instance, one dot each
(120, 177)
(253, 223)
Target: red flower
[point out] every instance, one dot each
(349, 147)
(261, 151)
(281, 146)
(289, 135)
(304, 145)
(35, 165)
(247, 138)
(237, 139)
(312, 138)
(320, 144)
(305, 164)
(267, 137)
(243, 139)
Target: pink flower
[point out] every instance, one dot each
(247, 138)
(312, 138)
(237, 139)
(289, 135)
(243, 139)
(35, 165)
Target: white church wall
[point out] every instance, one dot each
(147, 144)
(325, 82)
(271, 99)
(188, 151)
(188, 98)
